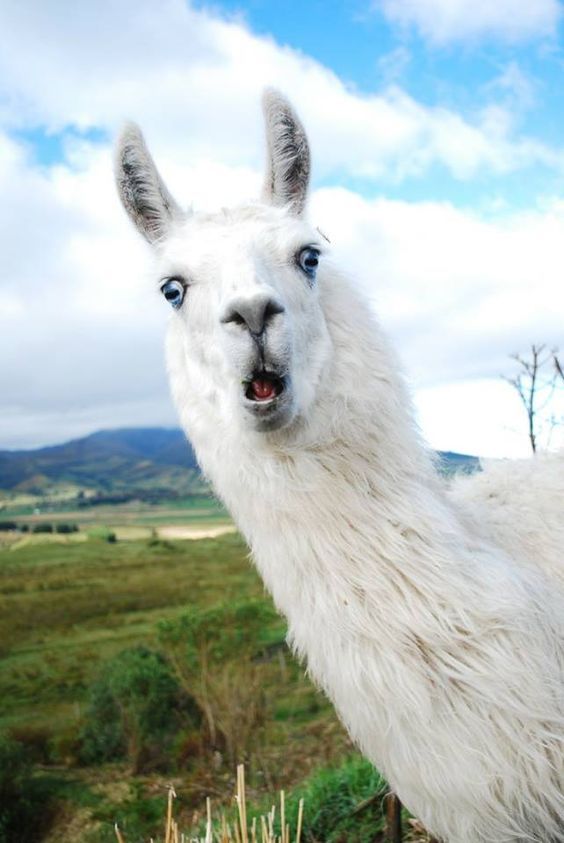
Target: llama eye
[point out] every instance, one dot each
(308, 260)
(174, 290)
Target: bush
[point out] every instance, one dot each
(331, 797)
(221, 633)
(42, 527)
(66, 528)
(35, 740)
(102, 534)
(214, 654)
(8, 526)
(23, 799)
(135, 708)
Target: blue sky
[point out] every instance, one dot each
(438, 146)
(369, 53)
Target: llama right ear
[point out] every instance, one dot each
(140, 187)
(288, 164)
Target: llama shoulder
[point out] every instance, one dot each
(519, 504)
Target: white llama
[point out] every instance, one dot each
(431, 626)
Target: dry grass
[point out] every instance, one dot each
(259, 830)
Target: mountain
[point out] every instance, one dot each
(154, 460)
(109, 461)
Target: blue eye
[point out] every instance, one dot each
(174, 290)
(308, 260)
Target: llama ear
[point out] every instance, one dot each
(288, 164)
(141, 189)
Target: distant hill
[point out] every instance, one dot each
(152, 460)
(110, 461)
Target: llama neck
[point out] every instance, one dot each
(352, 495)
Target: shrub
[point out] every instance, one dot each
(66, 528)
(35, 740)
(213, 652)
(23, 799)
(102, 534)
(42, 527)
(220, 633)
(135, 707)
(332, 798)
(8, 526)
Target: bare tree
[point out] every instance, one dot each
(539, 375)
(558, 367)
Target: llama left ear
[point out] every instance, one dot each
(143, 193)
(288, 164)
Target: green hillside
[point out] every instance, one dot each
(135, 460)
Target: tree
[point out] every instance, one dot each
(540, 374)
(216, 653)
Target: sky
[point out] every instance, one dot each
(437, 136)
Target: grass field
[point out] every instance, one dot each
(68, 605)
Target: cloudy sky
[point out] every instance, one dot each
(437, 129)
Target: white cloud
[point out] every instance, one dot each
(193, 81)
(459, 293)
(481, 417)
(449, 21)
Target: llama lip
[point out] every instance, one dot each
(268, 400)
(264, 387)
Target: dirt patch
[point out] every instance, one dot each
(186, 532)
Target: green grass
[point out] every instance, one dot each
(66, 609)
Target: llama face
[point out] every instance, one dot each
(248, 338)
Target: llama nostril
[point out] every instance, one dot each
(254, 313)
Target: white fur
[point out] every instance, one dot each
(519, 504)
(426, 618)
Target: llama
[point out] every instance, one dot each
(439, 641)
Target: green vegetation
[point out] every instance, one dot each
(24, 800)
(131, 658)
(135, 708)
(111, 465)
(67, 608)
(102, 533)
(343, 803)
(126, 665)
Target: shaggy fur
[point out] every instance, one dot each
(428, 619)
(520, 505)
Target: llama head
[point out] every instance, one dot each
(247, 338)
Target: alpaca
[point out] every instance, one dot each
(438, 639)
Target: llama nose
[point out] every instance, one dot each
(253, 312)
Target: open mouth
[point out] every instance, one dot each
(264, 387)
